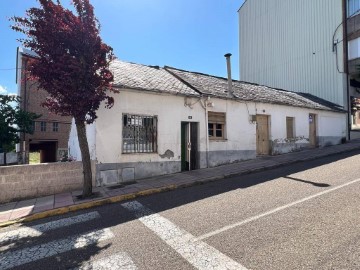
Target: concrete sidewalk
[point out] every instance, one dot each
(32, 209)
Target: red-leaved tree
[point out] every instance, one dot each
(72, 65)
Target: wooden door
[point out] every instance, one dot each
(262, 135)
(312, 130)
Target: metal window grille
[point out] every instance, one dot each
(139, 133)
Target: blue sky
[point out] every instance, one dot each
(187, 34)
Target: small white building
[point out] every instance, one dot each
(167, 120)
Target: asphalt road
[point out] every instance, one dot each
(304, 216)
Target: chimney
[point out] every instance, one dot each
(228, 64)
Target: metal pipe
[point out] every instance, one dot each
(228, 64)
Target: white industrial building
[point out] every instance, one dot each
(300, 46)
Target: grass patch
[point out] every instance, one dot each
(34, 157)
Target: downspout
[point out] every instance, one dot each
(346, 67)
(207, 135)
(204, 105)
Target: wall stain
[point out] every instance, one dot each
(168, 154)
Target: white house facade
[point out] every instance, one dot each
(167, 120)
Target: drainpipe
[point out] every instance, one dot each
(346, 68)
(228, 64)
(207, 135)
(204, 104)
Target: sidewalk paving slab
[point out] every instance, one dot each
(31, 209)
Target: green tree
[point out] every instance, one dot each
(13, 121)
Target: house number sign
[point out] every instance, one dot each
(189, 117)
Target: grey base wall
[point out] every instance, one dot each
(115, 173)
(217, 158)
(278, 148)
(324, 141)
(287, 147)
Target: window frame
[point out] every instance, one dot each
(353, 7)
(145, 131)
(215, 119)
(33, 126)
(43, 126)
(55, 126)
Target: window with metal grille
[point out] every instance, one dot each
(290, 134)
(216, 125)
(43, 126)
(139, 133)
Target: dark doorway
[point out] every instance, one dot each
(48, 151)
(189, 146)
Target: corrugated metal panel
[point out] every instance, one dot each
(288, 44)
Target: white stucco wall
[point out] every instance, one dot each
(330, 126)
(170, 111)
(73, 144)
(105, 136)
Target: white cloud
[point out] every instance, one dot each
(3, 90)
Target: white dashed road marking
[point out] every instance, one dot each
(232, 226)
(117, 261)
(37, 230)
(19, 257)
(197, 253)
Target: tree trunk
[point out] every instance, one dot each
(85, 155)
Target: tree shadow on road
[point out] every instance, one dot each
(191, 194)
(307, 182)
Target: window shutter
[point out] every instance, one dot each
(216, 117)
(290, 127)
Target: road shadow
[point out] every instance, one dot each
(175, 198)
(308, 182)
(180, 197)
(115, 214)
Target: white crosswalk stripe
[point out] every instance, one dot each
(11, 259)
(117, 261)
(37, 230)
(198, 253)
